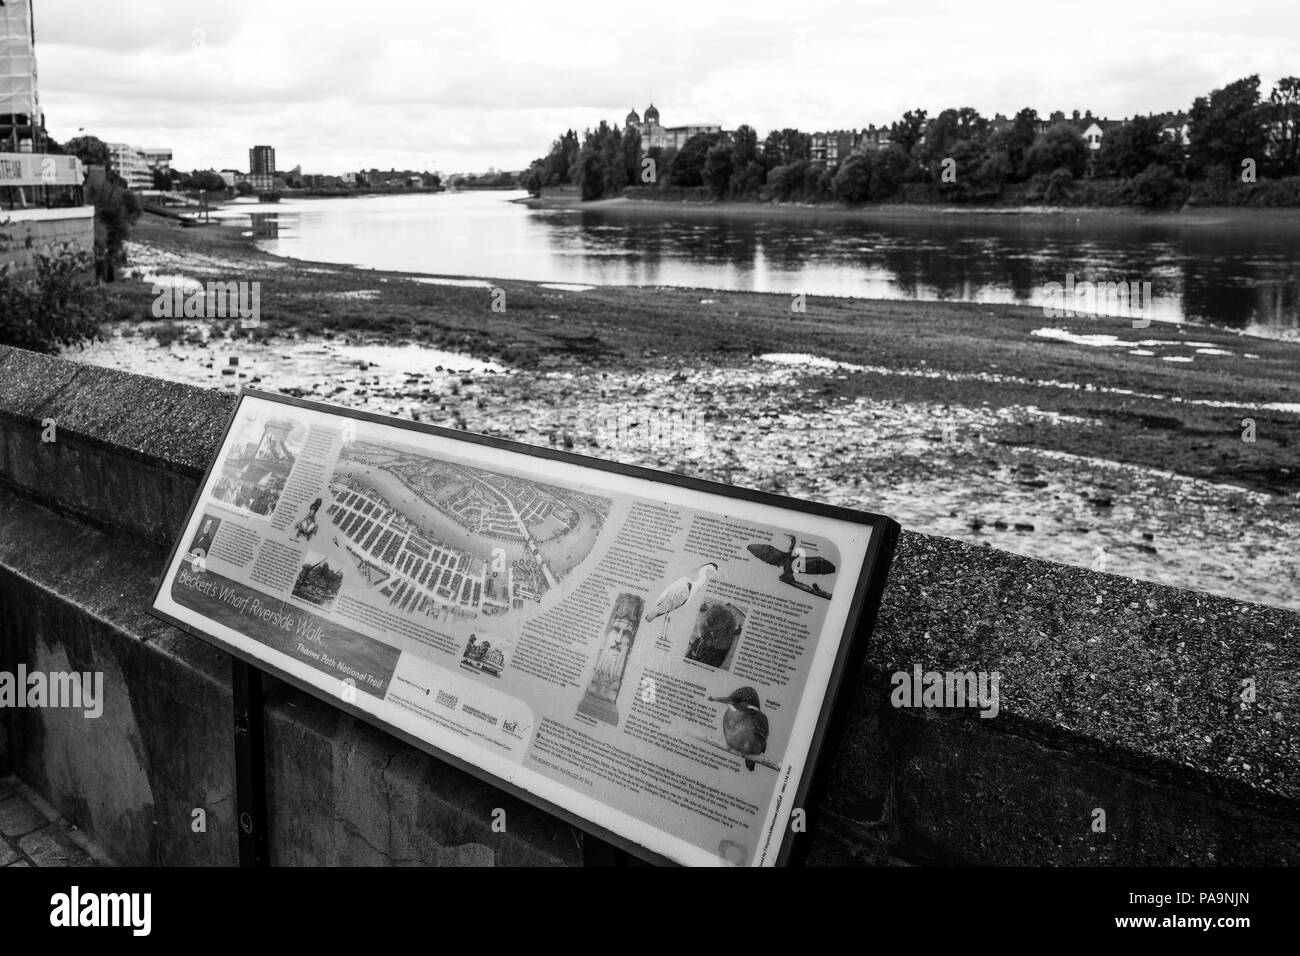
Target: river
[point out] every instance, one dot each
(1241, 273)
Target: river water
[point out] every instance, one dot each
(1242, 272)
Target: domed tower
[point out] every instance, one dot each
(632, 119)
(651, 115)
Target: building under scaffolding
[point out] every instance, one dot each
(22, 126)
(42, 197)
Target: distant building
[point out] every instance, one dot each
(832, 148)
(129, 162)
(874, 138)
(664, 137)
(156, 158)
(829, 149)
(42, 195)
(1093, 134)
(1177, 129)
(22, 124)
(261, 161)
(395, 178)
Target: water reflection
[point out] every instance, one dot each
(265, 225)
(1242, 274)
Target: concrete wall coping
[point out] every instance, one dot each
(46, 215)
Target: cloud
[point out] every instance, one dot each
(385, 83)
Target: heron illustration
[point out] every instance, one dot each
(678, 593)
(744, 725)
(793, 561)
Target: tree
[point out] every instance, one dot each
(1058, 185)
(945, 131)
(719, 164)
(1019, 137)
(666, 159)
(601, 167)
(688, 167)
(995, 170)
(820, 188)
(889, 170)
(91, 150)
(1283, 115)
(209, 180)
(631, 147)
(786, 183)
(1133, 147)
(907, 132)
(748, 172)
(1227, 127)
(591, 180)
(968, 158)
(116, 210)
(614, 170)
(853, 179)
(1156, 186)
(786, 146)
(556, 168)
(1060, 146)
(744, 143)
(532, 178)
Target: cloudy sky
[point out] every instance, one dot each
(465, 86)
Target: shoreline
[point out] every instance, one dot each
(1188, 215)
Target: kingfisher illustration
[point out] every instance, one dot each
(794, 561)
(744, 725)
(679, 592)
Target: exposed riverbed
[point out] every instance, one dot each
(798, 425)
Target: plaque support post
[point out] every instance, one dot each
(250, 764)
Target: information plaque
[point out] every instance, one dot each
(651, 657)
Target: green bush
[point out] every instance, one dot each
(1157, 186)
(1059, 186)
(1226, 190)
(53, 304)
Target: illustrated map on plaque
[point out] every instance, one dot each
(651, 658)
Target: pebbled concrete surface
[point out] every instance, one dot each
(1134, 672)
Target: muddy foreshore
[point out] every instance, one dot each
(1080, 440)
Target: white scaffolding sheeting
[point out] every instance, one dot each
(18, 61)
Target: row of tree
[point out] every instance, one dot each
(962, 153)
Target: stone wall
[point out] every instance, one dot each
(1115, 695)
